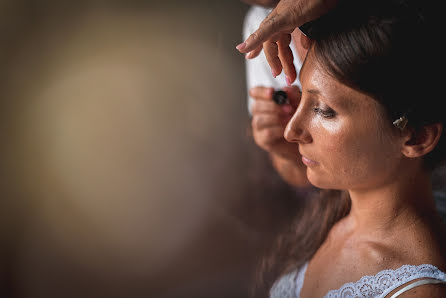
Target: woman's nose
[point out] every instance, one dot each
(295, 131)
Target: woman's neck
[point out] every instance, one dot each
(399, 204)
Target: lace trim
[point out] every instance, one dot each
(386, 281)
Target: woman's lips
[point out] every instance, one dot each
(308, 162)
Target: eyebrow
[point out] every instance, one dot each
(313, 91)
(344, 103)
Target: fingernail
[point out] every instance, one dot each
(241, 46)
(287, 108)
(248, 56)
(270, 92)
(288, 80)
(273, 73)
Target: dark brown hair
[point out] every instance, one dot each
(299, 241)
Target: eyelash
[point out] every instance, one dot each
(328, 113)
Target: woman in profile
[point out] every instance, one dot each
(369, 123)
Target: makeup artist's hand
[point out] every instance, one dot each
(264, 3)
(274, 33)
(268, 125)
(270, 119)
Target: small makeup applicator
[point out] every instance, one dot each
(280, 97)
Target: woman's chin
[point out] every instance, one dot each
(318, 181)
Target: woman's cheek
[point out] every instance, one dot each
(330, 134)
(332, 127)
(339, 145)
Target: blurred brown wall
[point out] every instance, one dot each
(127, 170)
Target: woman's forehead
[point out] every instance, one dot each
(318, 82)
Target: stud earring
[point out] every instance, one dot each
(401, 122)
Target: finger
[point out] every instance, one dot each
(265, 107)
(254, 53)
(261, 93)
(286, 58)
(294, 96)
(266, 121)
(269, 107)
(268, 137)
(271, 25)
(272, 57)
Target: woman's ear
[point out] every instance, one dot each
(422, 141)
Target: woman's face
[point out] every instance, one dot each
(345, 140)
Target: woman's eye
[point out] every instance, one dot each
(326, 113)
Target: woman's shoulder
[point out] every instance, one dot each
(431, 243)
(423, 244)
(418, 252)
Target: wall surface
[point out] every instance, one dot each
(127, 166)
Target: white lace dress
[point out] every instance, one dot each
(376, 286)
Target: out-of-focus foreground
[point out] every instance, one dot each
(126, 167)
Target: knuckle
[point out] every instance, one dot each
(262, 144)
(295, 14)
(270, 136)
(285, 39)
(256, 122)
(260, 140)
(255, 37)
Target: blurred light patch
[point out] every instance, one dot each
(122, 122)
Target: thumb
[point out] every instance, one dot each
(294, 95)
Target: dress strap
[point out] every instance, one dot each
(416, 284)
